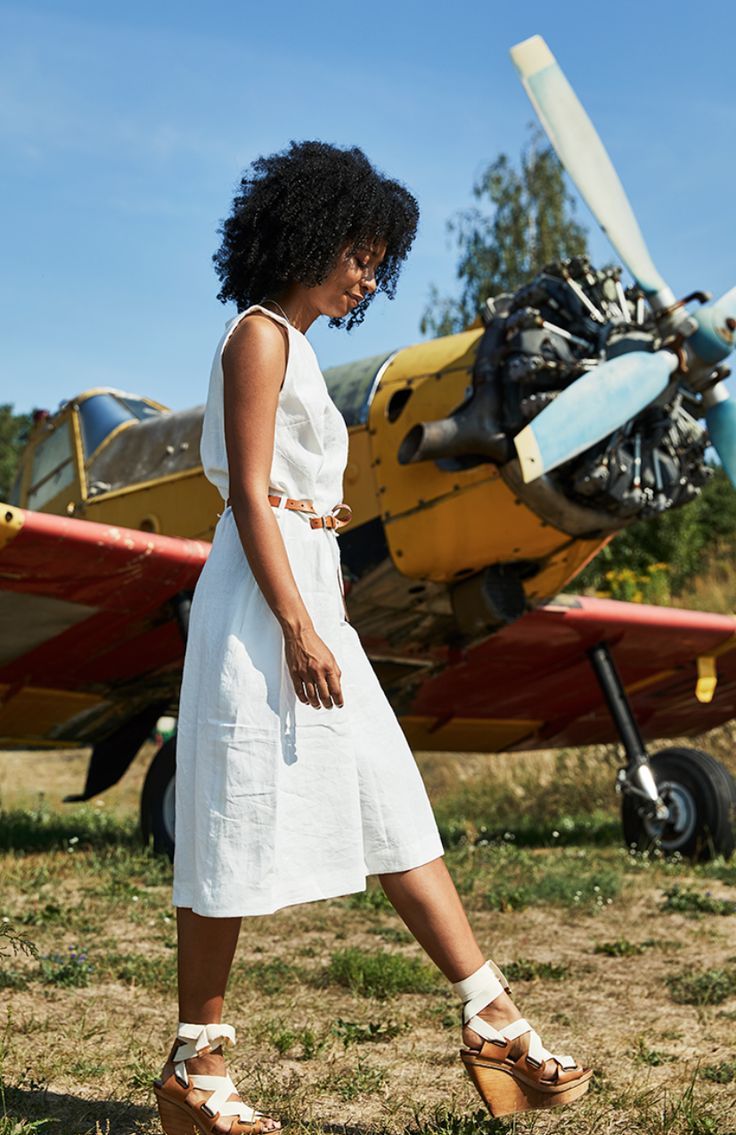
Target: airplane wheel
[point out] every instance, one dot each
(701, 795)
(157, 800)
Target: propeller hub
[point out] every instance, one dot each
(570, 336)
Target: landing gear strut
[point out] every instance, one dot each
(679, 800)
(158, 798)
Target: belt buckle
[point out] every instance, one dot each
(336, 521)
(331, 519)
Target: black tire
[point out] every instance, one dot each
(702, 795)
(157, 800)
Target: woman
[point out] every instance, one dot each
(294, 779)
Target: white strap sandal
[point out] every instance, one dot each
(177, 1116)
(505, 1084)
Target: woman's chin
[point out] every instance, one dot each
(339, 311)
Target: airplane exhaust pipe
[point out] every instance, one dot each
(471, 431)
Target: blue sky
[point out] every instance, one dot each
(124, 129)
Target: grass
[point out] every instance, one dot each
(707, 987)
(650, 1056)
(379, 974)
(723, 1073)
(342, 1022)
(9, 1126)
(391, 934)
(445, 1121)
(372, 898)
(527, 970)
(503, 877)
(558, 800)
(684, 900)
(304, 1043)
(353, 1032)
(621, 948)
(271, 977)
(14, 942)
(42, 828)
(71, 969)
(138, 970)
(665, 1112)
(356, 1081)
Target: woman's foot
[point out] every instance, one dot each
(502, 1011)
(212, 1064)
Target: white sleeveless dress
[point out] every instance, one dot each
(278, 802)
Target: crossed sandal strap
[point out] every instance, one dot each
(537, 1053)
(218, 1103)
(198, 1039)
(478, 990)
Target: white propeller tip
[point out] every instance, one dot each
(529, 453)
(531, 55)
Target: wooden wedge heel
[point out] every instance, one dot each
(179, 1117)
(508, 1076)
(505, 1089)
(175, 1119)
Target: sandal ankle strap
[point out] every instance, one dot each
(197, 1040)
(479, 989)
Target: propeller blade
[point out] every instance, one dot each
(584, 157)
(720, 418)
(591, 408)
(714, 339)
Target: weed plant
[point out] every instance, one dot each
(380, 974)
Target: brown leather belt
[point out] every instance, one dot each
(329, 520)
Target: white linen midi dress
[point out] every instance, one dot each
(278, 802)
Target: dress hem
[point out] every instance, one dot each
(356, 887)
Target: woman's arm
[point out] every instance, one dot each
(254, 364)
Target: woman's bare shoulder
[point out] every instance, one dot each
(256, 330)
(258, 344)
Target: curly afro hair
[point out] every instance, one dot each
(295, 209)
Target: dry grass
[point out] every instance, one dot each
(331, 1034)
(714, 589)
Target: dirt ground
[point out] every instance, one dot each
(79, 1045)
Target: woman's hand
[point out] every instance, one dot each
(313, 668)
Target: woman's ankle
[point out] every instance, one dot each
(501, 1008)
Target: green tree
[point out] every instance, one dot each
(530, 223)
(13, 431)
(681, 539)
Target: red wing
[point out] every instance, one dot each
(88, 616)
(90, 635)
(531, 684)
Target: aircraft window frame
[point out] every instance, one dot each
(47, 480)
(117, 410)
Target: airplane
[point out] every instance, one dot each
(486, 469)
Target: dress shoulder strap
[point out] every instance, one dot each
(274, 314)
(235, 322)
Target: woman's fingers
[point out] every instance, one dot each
(329, 689)
(311, 693)
(315, 674)
(324, 691)
(335, 689)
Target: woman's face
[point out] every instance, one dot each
(350, 281)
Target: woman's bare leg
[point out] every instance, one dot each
(206, 947)
(426, 900)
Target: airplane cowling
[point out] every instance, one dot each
(537, 342)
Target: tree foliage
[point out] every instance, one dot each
(524, 221)
(681, 540)
(13, 432)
